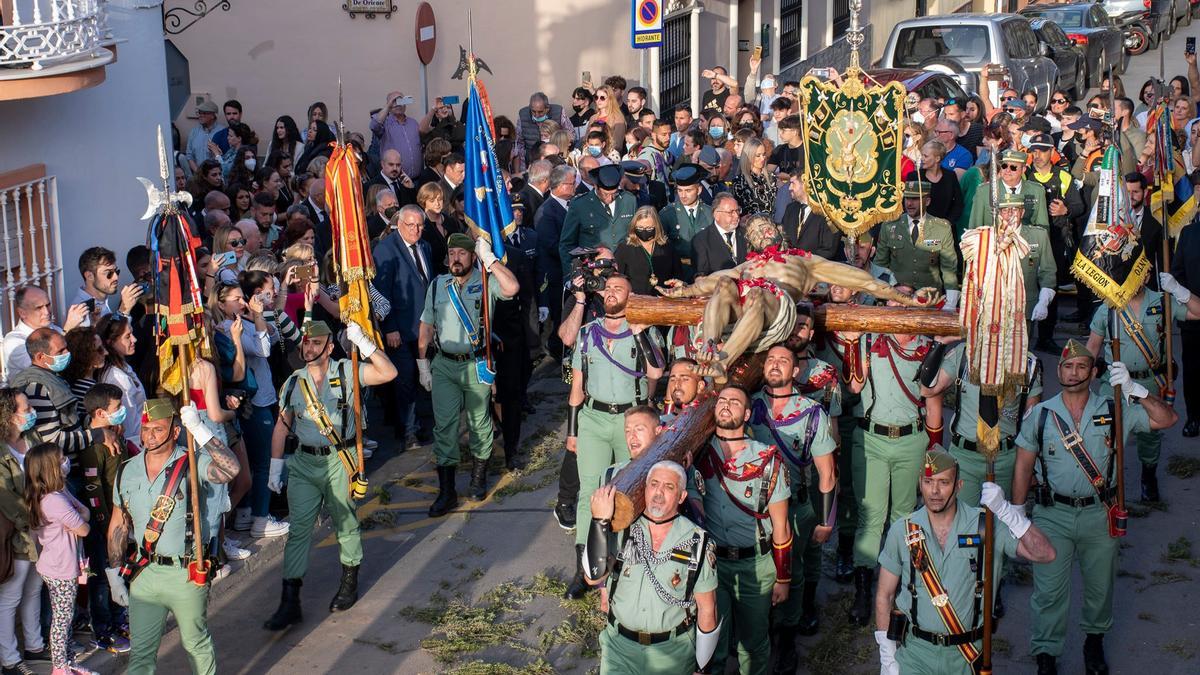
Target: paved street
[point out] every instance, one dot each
(478, 591)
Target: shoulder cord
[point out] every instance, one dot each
(651, 559)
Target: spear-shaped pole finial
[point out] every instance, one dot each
(162, 200)
(341, 125)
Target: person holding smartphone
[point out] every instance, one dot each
(440, 122)
(98, 267)
(395, 130)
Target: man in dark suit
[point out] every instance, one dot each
(1185, 265)
(314, 208)
(1150, 231)
(585, 175)
(402, 273)
(537, 184)
(807, 230)
(382, 208)
(722, 245)
(392, 177)
(548, 224)
(453, 174)
(511, 331)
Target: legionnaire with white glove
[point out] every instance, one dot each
(316, 410)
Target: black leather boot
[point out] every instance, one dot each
(864, 600)
(1047, 665)
(998, 602)
(479, 479)
(347, 592)
(1150, 483)
(289, 607)
(1093, 655)
(578, 586)
(844, 571)
(786, 659)
(447, 497)
(810, 622)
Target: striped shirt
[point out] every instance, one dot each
(52, 426)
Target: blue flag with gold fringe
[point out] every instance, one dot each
(486, 203)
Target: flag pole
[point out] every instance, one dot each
(1118, 518)
(485, 318)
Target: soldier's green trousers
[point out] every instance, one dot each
(890, 470)
(619, 655)
(312, 482)
(157, 590)
(919, 657)
(456, 386)
(806, 556)
(850, 472)
(1078, 534)
(972, 469)
(601, 443)
(744, 600)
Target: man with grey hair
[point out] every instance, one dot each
(386, 204)
(657, 582)
(537, 184)
(529, 119)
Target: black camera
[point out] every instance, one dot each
(593, 270)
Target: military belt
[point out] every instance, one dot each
(462, 358)
(743, 553)
(1081, 502)
(643, 638)
(318, 450)
(957, 439)
(169, 561)
(610, 408)
(948, 639)
(890, 431)
(1148, 373)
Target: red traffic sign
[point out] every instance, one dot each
(426, 33)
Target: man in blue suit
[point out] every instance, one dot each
(402, 273)
(548, 222)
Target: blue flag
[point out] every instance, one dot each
(486, 204)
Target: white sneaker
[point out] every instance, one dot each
(235, 552)
(242, 519)
(267, 526)
(225, 571)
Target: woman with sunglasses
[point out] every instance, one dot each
(608, 110)
(229, 250)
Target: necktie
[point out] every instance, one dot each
(729, 242)
(916, 229)
(691, 211)
(1012, 190)
(420, 263)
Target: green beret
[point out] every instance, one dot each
(314, 329)
(460, 240)
(917, 188)
(158, 409)
(937, 460)
(1011, 155)
(1008, 199)
(1075, 349)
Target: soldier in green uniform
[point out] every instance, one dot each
(742, 488)
(687, 215)
(1141, 338)
(658, 583)
(615, 366)
(458, 375)
(1069, 440)
(884, 369)
(151, 503)
(932, 574)
(316, 408)
(683, 386)
(798, 426)
(600, 217)
(919, 248)
(1038, 267)
(1012, 181)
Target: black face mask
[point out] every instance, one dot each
(578, 108)
(644, 235)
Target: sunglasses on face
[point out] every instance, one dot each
(1058, 100)
(113, 273)
(237, 242)
(1010, 167)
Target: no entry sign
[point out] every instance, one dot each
(646, 23)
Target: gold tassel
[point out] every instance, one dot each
(987, 438)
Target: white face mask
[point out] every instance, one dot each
(908, 141)
(251, 163)
(918, 117)
(1026, 139)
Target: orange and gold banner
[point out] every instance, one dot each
(352, 261)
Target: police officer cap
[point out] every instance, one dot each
(158, 409)
(635, 167)
(1075, 349)
(607, 177)
(1086, 122)
(517, 201)
(689, 174)
(1042, 142)
(1015, 156)
(917, 188)
(460, 240)
(318, 328)
(709, 156)
(937, 460)
(1008, 200)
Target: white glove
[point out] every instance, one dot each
(1118, 376)
(1042, 309)
(424, 374)
(190, 417)
(356, 335)
(275, 477)
(1172, 286)
(116, 586)
(992, 496)
(483, 251)
(887, 654)
(543, 314)
(951, 301)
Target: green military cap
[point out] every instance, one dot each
(316, 329)
(460, 240)
(938, 460)
(865, 237)
(1075, 349)
(1011, 155)
(158, 409)
(1008, 199)
(917, 188)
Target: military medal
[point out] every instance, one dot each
(749, 492)
(653, 279)
(675, 580)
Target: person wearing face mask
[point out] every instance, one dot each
(717, 129)
(581, 110)
(601, 216)
(645, 255)
(539, 110)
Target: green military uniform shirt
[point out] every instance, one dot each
(439, 312)
(590, 223)
(139, 493)
(636, 605)
(821, 382)
(729, 525)
(680, 228)
(932, 260)
(883, 394)
(1039, 267)
(1150, 317)
(604, 381)
(336, 395)
(1031, 191)
(966, 415)
(1065, 476)
(791, 429)
(953, 564)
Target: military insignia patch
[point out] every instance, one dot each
(475, 288)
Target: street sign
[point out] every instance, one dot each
(646, 24)
(426, 33)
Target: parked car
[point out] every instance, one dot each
(923, 83)
(960, 45)
(1072, 64)
(1179, 12)
(1088, 26)
(1144, 27)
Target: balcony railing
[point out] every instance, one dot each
(40, 33)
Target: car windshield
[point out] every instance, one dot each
(1065, 18)
(966, 44)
